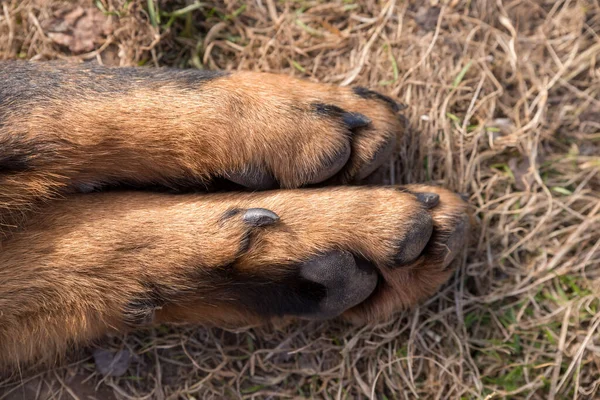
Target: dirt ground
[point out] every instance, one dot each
(504, 104)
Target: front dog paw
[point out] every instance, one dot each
(407, 283)
(354, 251)
(288, 132)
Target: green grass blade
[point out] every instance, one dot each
(461, 74)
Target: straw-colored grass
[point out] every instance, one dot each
(504, 104)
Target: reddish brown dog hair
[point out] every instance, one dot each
(91, 240)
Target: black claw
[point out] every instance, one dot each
(260, 217)
(371, 94)
(464, 196)
(430, 200)
(400, 106)
(351, 119)
(355, 120)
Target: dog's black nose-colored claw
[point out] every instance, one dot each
(355, 120)
(260, 217)
(429, 200)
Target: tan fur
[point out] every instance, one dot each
(84, 265)
(407, 286)
(69, 275)
(168, 133)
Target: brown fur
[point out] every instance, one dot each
(87, 130)
(72, 273)
(88, 264)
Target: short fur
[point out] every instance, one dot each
(76, 265)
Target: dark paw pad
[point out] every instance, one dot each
(321, 287)
(347, 281)
(253, 178)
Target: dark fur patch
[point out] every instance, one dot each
(266, 294)
(16, 152)
(13, 162)
(289, 295)
(25, 82)
(232, 212)
(445, 245)
(245, 241)
(140, 311)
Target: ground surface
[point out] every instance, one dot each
(504, 104)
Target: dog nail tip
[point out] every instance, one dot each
(260, 217)
(355, 120)
(430, 200)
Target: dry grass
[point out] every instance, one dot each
(504, 103)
